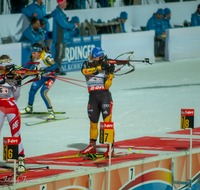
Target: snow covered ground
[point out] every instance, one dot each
(146, 102)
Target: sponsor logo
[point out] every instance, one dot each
(90, 110)
(105, 112)
(96, 38)
(108, 125)
(15, 125)
(106, 105)
(21, 72)
(26, 45)
(189, 112)
(78, 52)
(86, 39)
(76, 40)
(97, 87)
(92, 79)
(112, 61)
(12, 141)
(71, 66)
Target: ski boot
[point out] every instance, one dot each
(21, 164)
(90, 149)
(28, 109)
(51, 114)
(106, 154)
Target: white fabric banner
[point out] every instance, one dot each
(182, 43)
(142, 43)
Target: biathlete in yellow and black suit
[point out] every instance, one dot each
(99, 80)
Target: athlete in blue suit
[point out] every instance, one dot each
(46, 63)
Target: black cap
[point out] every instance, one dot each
(42, 22)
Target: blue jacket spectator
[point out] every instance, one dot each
(81, 4)
(62, 29)
(76, 21)
(156, 23)
(33, 33)
(38, 10)
(167, 18)
(123, 17)
(195, 18)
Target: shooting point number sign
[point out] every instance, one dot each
(10, 148)
(106, 132)
(187, 118)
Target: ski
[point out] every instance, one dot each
(71, 156)
(46, 121)
(98, 159)
(93, 161)
(41, 113)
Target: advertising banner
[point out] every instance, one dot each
(77, 51)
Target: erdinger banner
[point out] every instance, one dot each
(77, 51)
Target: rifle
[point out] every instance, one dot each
(128, 61)
(12, 73)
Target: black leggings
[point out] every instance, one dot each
(99, 101)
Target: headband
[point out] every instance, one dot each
(36, 49)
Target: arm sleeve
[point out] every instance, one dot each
(74, 32)
(52, 65)
(88, 71)
(17, 92)
(63, 22)
(27, 11)
(193, 20)
(108, 82)
(32, 38)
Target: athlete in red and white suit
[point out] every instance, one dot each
(9, 93)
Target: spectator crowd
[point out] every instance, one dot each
(160, 21)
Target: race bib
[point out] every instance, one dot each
(4, 90)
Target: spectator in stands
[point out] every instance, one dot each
(81, 4)
(167, 17)
(62, 31)
(37, 10)
(156, 23)
(102, 3)
(17, 5)
(195, 18)
(123, 17)
(32, 34)
(76, 21)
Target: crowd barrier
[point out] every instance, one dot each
(182, 43)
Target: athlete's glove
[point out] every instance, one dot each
(57, 70)
(2, 79)
(104, 66)
(111, 68)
